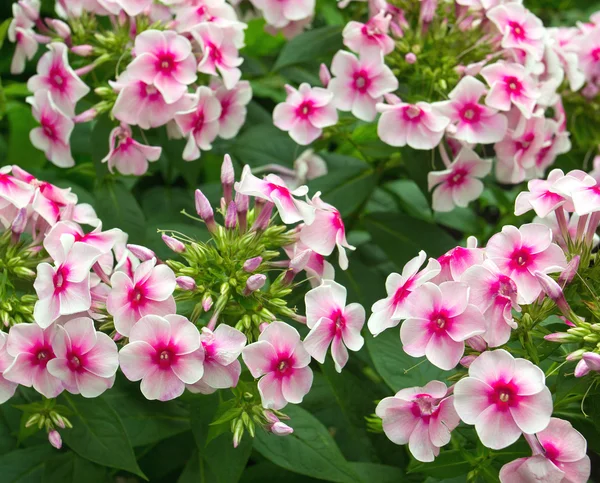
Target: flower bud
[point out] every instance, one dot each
(227, 178)
(85, 116)
(281, 429)
(568, 274)
(263, 326)
(84, 50)
(186, 283)
(561, 337)
(575, 355)
(205, 211)
(238, 432)
(553, 291)
(262, 220)
(231, 216)
(254, 283)
(581, 369)
(466, 361)
(30, 11)
(19, 224)
(143, 253)
(33, 420)
(477, 343)
(242, 202)
(207, 302)
(410, 58)
(55, 439)
(252, 264)
(173, 244)
(324, 75)
(592, 359)
(60, 27)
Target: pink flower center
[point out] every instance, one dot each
(439, 322)
(60, 279)
(337, 222)
(370, 30)
(43, 355)
(412, 113)
(596, 54)
(513, 85)
(517, 30)
(458, 177)
(339, 322)
(424, 406)
(525, 142)
(402, 292)
(521, 258)
(505, 286)
(470, 113)
(199, 123)
(165, 62)
(551, 451)
(215, 53)
(48, 128)
(225, 103)
(284, 367)
(148, 90)
(165, 357)
(361, 81)
(137, 296)
(305, 109)
(504, 395)
(74, 362)
(56, 77)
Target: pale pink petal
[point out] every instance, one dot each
(471, 398)
(161, 384)
(136, 360)
(270, 391)
(317, 341)
(444, 352)
(259, 357)
(496, 429)
(532, 413)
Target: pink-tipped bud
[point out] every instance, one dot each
(396, 30)
(553, 291)
(561, 337)
(231, 216)
(281, 429)
(227, 178)
(205, 211)
(410, 58)
(581, 369)
(252, 264)
(324, 75)
(55, 439)
(466, 361)
(392, 99)
(254, 283)
(60, 27)
(575, 355)
(263, 326)
(29, 10)
(568, 274)
(142, 253)
(263, 219)
(186, 283)
(117, 337)
(477, 343)
(85, 116)
(207, 302)
(20, 222)
(270, 416)
(592, 359)
(242, 202)
(84, 50)
(173, 244)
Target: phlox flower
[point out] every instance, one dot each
(233, 107)
(503, 397)
(582, 190)
(103, 241)
(64, 289)
(495, 295)
(279, 13)
(455, 261)
(459, 183)
(222, 347)
(510, 84)
(31, 347)
(200, 124)
(55, 75)
(149, 292)
(317, 268)
(86, 361)
(280, 360)
(134, 7)
(165, 353)
(7, 388)
(193, 13)
(474, 123)
(20, 31)
(305, 113)
(53, 136)
(416, 125)
(440, 318)
(369, 38)
(360, 83)
(588, 49)
(272, 188)
(165, 60)
(423, 417)
(128, 155)
(13, 190)
(541, 198)
(388, 312)
(332, 322)
(326, 232)
(520, 28)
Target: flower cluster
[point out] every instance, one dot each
(175, 66)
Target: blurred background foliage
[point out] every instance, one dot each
(382, 194)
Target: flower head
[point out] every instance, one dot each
(369, 38)
(128, 155)
(233, 107)
(7, 388)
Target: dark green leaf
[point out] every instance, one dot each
(310, 46)
(3, 30)
(25, 465)
(448, 464)
(226, 463)
(265, 144)
(70, 468)
(380, 473)
(20, 149)
(258, 42)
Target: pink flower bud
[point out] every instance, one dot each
(324, 75)
(553, 291)
(568, 274)
(581, 369)
(55, 439)
(207, 302)
(392, 98)
(227, 178)
(144, 254)
(592, 359)
(252, 264)
(262, 220)
(84, 50)
(270, 416)
(281, 429)
(117, 337)
(231, 216)
(396, 30)
(20, 222)
(410, 58)
(242, 202)
(173, 244)
(254, 283)
(561, 337)
(60, 27)
(205, 211)
(263, 326)
(30, 11)
(477, 343)
(186, 283)
(466, 361)
(85, 116)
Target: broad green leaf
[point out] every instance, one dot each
(265, 144)
(448, 464)
(310, 46)
(193, 470)
(377, 473)
(166, 460)
(99, 144)
(203, 409)
(364, 281)
(410, 198)
(3, 30)
(20, 149)
(309, 450)
(224, 462)
(71, 468)
(398, 369)
(98, 434)
(16, 89)
(260, 43)
(25, 465)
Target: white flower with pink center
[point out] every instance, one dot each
(474, 123)
(588, 49)
(279, 13)
(520, 28)
(317, 268)
(7, 388)
(134, 7)
(53, 136)
(191, 14)
(510, 84)
(55, 75)
(20, 31)
(200, 124)
(221, 351)
(86, 361)
(503, 397)
(369, 38)
(220, 53)
(326, 232)
(64, 289)
(582, 190)
(495, 295)
(388, 312)
(416, 125)
(456, 261)
(149, 292)
(423, 417)
(459, 183)
(359, 84)
(281, 362)
(332, 322)
(439, 320)
(103, 241)
(272, 188)
(233, 107)
(164, 60)
(305, 113)
(559, 455)
(541, 197)
(519, 253)
(31, 347)
(13, 190)
(127, 155)
(165, 353)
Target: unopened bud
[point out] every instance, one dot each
(410, 58)
(32, 420)
(392, 99)
(324, 75)
(60, 27)
(263, 219)
(238, 432)
(254, 283)
(85, 116)
(30, 11)
(207, 302)
(561, 337)
(186, 283)
(575, 355)
(55, 439)
(173, 244)
(281, 429)
(57, 419)
(466, 361)
(84, 50)
(477, 343)
(263, 326)
(568, 274)
(581, 369)
(231, 216)
(205, 211)
(227, 178)
(144, 254)
(252, 264)
(553, 291)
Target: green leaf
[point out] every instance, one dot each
(192, 472)
(25, 465)
(98, 434)
(265, 144)
(71, 468)
(376, 472)
(309, 450)
(398, 369)
(224, 462)
(20, 149)
(3, 30)
(401, 237)
(448, 464)
(310, 46)
(258, 42)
